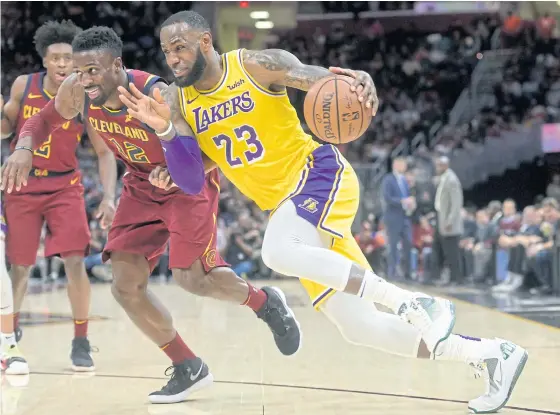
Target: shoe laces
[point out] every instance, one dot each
(479, 371)
(83, 345)
(175, 373)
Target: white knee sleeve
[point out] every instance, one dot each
(294, 247)
(362, 324)
(6, 297)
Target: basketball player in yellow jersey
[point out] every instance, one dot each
(237, 107)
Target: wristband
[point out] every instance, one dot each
(166, 131)
(24, 148)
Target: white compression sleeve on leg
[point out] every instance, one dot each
(292, 246)
(362, 324)
(6, 298)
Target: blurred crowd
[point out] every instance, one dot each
(418, 76)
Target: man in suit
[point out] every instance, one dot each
(398, 205)
(448, 205)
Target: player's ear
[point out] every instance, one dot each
(45, 62)
(117, 64)
(206, 42)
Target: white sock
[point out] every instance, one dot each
(8, 341)
(362, 324)
(462, 348)
(378, 290)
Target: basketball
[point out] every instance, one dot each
(333, 113)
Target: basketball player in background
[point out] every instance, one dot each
(240, 115)
(54, 192)
(12, 360)
(147, 217)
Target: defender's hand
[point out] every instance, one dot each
(15, 170)
(105, 213)
(363, 86)
(151, 111)
(160, 177)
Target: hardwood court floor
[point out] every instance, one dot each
(327, 377)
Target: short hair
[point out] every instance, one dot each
(53, 32)
(193, 19)
(550, 202)
(98, 38)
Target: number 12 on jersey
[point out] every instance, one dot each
(244, 133)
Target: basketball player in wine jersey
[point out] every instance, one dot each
(147, 217)
(237, 107)
(54, 192)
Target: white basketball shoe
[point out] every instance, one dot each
(433, 317)
(501, 368)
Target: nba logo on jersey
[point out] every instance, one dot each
(310, 204)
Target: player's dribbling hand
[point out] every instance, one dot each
(363, 86)
(105, 213)
(154, 112)
(15, 170)
(160, 178)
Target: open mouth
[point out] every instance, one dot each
(93, 91)
(60, 76)
(180, 72)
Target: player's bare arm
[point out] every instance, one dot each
(10, 110)
(107, 165)
(68, 103)
(182, 153)
(277, 68)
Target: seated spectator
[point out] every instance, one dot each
(527, 241)
(94, 262)
(422, 240)
(244, 248)
(372, 245)
(466, 244)
(482, 248)
(539, 254)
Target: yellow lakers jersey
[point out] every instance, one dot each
(252, 134)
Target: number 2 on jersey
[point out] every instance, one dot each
(131, 151)
(244, 133)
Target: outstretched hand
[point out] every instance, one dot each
(363, 86)
(154, 112)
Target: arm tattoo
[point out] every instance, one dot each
(285, 69)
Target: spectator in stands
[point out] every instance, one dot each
(520, 242)
(482, 248)
(398, 206)
(94, 262)
(466, 244)
(372, 245)
(539, 255)
(423, 239)
(244, 246)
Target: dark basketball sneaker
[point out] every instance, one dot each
(186, 378)
(281, 320)
(81, 355)
(19, 334)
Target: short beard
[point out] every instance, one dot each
(196, 72)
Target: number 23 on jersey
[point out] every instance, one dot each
(245, 133)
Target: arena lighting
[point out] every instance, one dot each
(243, 4)
(264, 24)
(259, 15)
